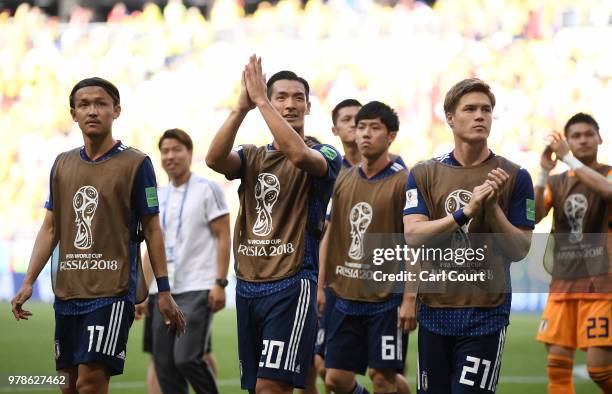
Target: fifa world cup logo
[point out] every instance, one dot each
(267, 190)
(360, 218)
(85, 202)
(457, 200)
(575, 208)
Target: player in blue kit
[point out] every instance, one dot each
(468, 190)
(94, 220)
(344, 127)
(364, 327)
(285, 187)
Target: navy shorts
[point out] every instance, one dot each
(330, 305)
(459, 364)
(355, 343)
(276, 335)
(97, 337)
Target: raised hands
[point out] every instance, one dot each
(496, 179)
(245, 103)
(546, 161)
(477, 201)
(558, 144)
(255, 81)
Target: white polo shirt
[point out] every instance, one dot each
(191, 249)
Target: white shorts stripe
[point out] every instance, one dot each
(109, 328)
(496, 378)
(293, 330)
(113, 328)
(398, 345)
(118, 328)
(418, 372)
(301, 324)
(500, 347)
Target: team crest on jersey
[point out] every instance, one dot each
(267, 190)
(575, 208)
(360, 218)
(424, 383)
(57, 349)
(454, 201)
(85, 203)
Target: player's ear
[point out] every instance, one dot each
(116, 111)
(449, 119)
(73, 114)
(391, 136)
(334, 130)
(307, 108)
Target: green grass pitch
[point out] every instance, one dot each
(26, 347)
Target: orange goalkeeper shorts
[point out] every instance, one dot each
(576, 323)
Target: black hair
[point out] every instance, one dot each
(179, 135)
(96, 81)
(376, 109)
(312, 139)
(289, 76)
(581, 117)
(343, 104)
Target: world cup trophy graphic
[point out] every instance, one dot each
(267, 190)
(575, 208)
(84, 202)
(360, 218)
(456, 200)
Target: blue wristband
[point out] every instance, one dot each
(460, 218)
(163, 284)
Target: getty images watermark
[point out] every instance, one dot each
(446, 256)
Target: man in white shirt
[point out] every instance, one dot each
(195, 223)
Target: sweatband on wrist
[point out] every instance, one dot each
(542, 178)
(163, 284)
(460, 217)
(572, 162)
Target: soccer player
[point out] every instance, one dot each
(195, 223)
(343, 120)
(94, 220)
(285, 187)
(362, 329)
(467, 190)
(578, 310)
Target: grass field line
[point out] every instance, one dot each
(236, 383)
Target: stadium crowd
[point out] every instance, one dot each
(544, 60)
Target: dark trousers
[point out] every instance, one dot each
(178, 361)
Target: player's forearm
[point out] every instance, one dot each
(516, 242)
(43, 248)
(147, 270)
(155, 245)
(595, 181)
(289, 142)
(420, 232)
(223, 254)
(223, 141)
(540, 207)
(323, 259)
(411, 286)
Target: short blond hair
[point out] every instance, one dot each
(460, 89)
